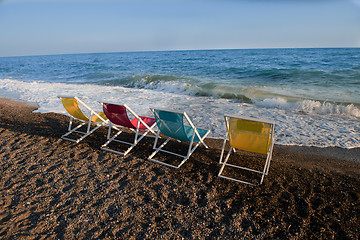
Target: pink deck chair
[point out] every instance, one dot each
(118, 116)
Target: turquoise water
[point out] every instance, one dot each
(320, 85)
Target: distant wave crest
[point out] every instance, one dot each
(311, 107)
(180, 85)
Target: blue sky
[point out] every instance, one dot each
(36, 27)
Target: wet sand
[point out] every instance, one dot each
(54, 189)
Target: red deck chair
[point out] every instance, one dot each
(118, 116)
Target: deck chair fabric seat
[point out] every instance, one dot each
(119, 117)
(190, 132)
(250, 135)
(149, 121)
(71, 104)
(171, 124)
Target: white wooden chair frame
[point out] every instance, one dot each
(268, 155)
(191, 148)
(89, 130)
(137, 138)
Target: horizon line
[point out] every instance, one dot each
(175, 50)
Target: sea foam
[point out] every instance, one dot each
(311, 107)
(303, 123)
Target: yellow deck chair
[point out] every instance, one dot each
(71, 104)
(250, 135)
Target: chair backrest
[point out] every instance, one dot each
(117, 114)
(72, 106)
(250, 135)
(171, 124)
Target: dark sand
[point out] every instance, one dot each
(54, 189)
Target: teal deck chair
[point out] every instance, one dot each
(171, 124)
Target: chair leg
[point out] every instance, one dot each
(158, 149)
(137, 139)
(223, 149)
(110, 139)
(109, 131)
(224, 164)
(230, 178)
(84, 136)
(266, 167)
(75, 129)
(70, 123)
(185, 158)
(113, 137)
(89, 125)
(192, 150)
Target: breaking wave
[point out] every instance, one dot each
(311, 107)
(259, 96)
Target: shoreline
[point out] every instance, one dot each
(333, 152)
(51, 188)
(296, 123)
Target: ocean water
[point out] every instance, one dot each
(313, 95)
